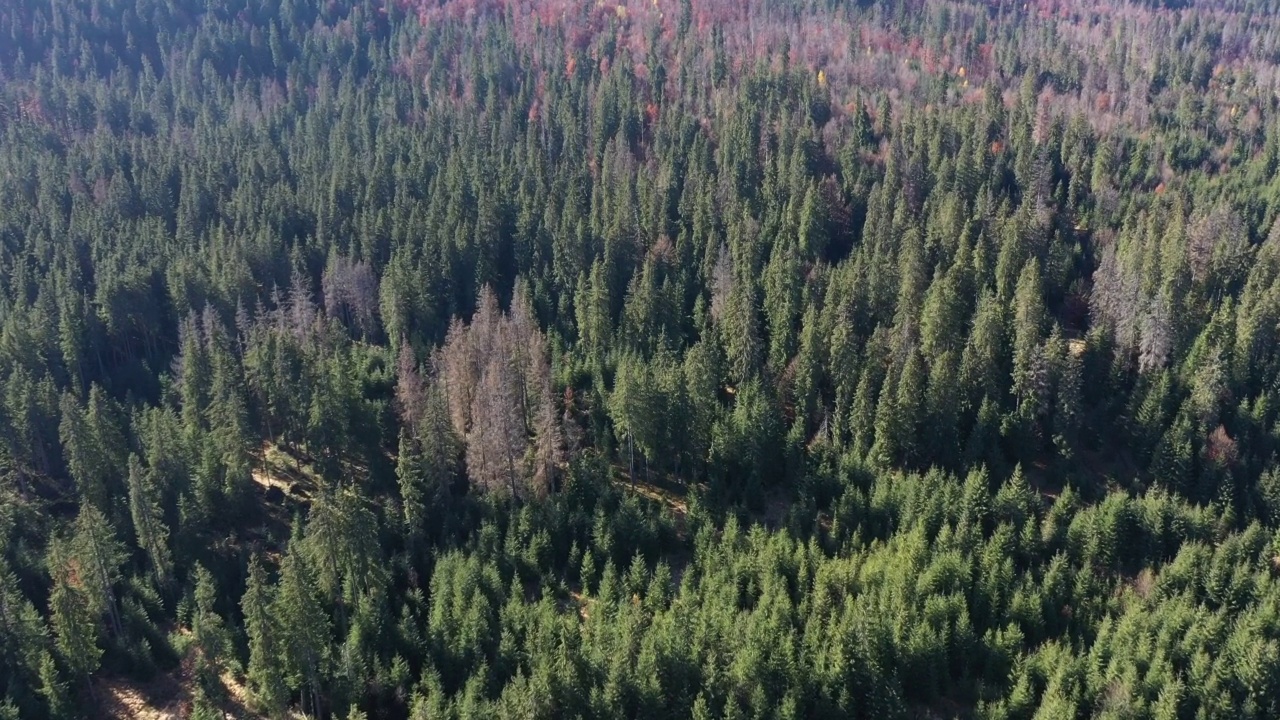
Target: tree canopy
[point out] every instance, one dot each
(659, 358)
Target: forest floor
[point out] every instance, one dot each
(282, 473)
(168, 696)
(283, 481)
(162, 698)
(673, 500)
(582, 603)
(671, 495)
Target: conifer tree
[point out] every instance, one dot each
(211, 635)
(82, 454)
(73, 617)
(148, 522)
(97, 555)
(304, 640)
(23, 631)
(341, 544)
(265, 679)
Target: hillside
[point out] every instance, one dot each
(646, 359)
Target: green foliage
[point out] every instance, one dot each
(266, 681)
(664, 359)
(305, 642)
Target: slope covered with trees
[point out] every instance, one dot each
(665, 358)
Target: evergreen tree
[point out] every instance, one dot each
(148, 522)
(96, 556)
(212, 639)
(304, 640)
(266, 682)
(73, 617)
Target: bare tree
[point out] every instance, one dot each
(1156, 336)
(411, 389)
(548, 436)
(1115, 302)
(1214, 241)
(497, 441)
(300, 313)
(497, 378)
(458, 369)
(351, 294)
(570, 429)
(721, 283)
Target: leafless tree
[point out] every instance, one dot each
(458, 368)
(300, 313)
(571, 431)
(1214, 240)
(497, 378)
(1115, 302)
(544, 422)
(1156, 336)
(549, 444)
(351, 294)
(411, 389)
(497, 441)
(721, 283)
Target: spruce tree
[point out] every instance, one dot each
(76, 625)
(304, 649)
(265, 680)
(148, 522)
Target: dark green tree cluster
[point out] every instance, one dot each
(676, 358)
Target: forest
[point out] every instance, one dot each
(641, 359)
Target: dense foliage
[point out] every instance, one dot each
(515, 358)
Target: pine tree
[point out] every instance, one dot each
(23, 631)
(72, 614)
(982, 370)
(98, 555)
(82, 454)
(53, 689)
(72, 330)
(304, 631)
(341, 544)
(429, 455)
(1028, 322)
(265, 680)
(637, 411)
(889, 431)
(942, 410)
(782, 303)
(593, 303)
(148, 522)
(911, 409)
(942, 317)
(740, 329)
(1067, 406)
(194, 375)
(102, 415)
(212, 639)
